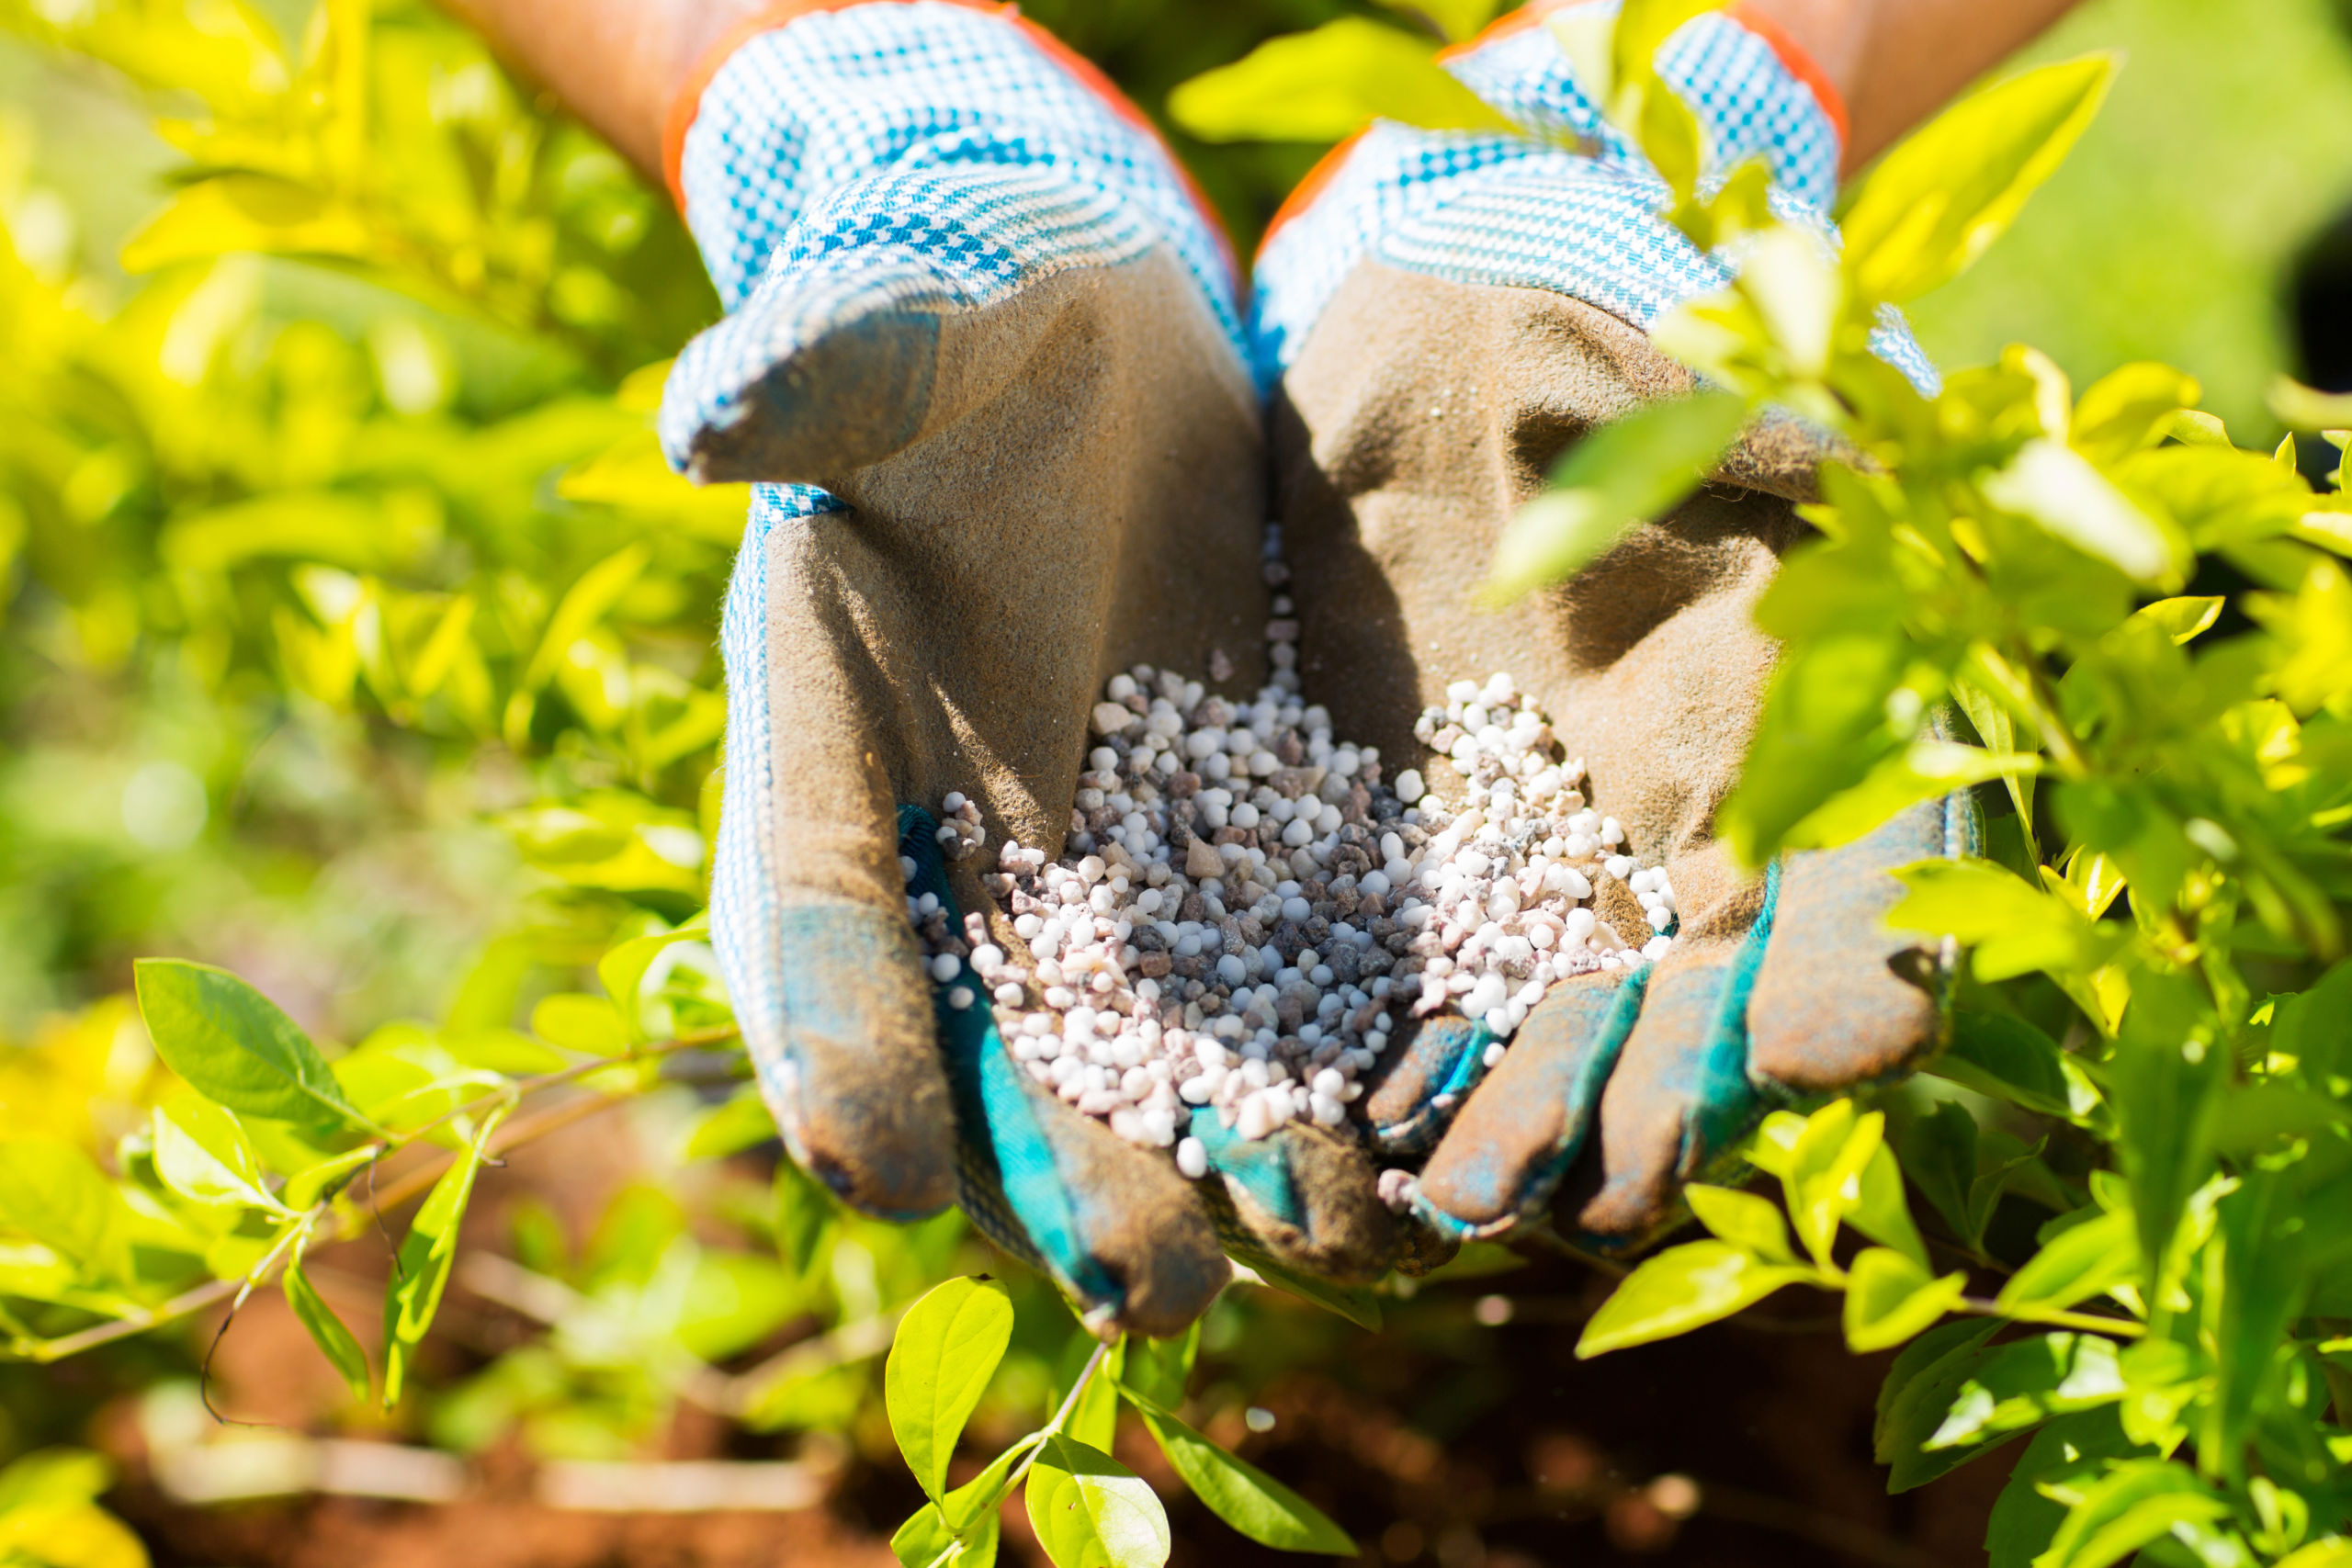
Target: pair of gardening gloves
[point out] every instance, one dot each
(986, 359)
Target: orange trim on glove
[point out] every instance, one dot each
(688, 101)
(1800, 64)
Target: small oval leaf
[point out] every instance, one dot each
(1090, 1511)
(232, 1044)
(946, 1349)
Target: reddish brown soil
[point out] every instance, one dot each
(1441, 1442)
(1511, 1456)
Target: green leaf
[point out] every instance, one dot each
(2065, 1456)
(2336, 1551)
(946, 1349)
(1749, 1222)
(425, 1255)
(730, 1127)
(925, 1538)
(307, 1185)
(2138, 1502)
(53, 1478)
(1329, 83)
(975, 1502)
(1774, 1144)
(2014, 928)
(1090, 1511)
(2025, 1382)
(234, 1045)
(1880, 1211)
(2184, 619)
(1949, 190)
(2084, 1261)
(1918, 1389)
(507, 1052)
(622, 970)
(1997, 729)
(204, 1156)
(1823, 1179)
(1793, 280)
(327, 1330)
(2252, 1298)
(1618, 477)
(2307, 408)
(1922, 771)
(1940, 1156)
(56, 1193)
(805, 1212)
(584, 603)
(1243, 1496)
(2010, 1059)
(2164, 1079)
(1158, 1370)
(2129, 408)
(578, 1021)
(1889, 1299)
(245, 212)
(1094, 1419)
(2051, 484)
(2314, 1027)
(1681, 1289)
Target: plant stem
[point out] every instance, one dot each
(1061, 1416)
(2121, 1327)
(523, 1087)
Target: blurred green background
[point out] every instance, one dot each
(2171, 233)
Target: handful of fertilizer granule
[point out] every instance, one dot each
(1245, 907)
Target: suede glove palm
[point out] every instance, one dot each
(982, 359)
(1446, 316)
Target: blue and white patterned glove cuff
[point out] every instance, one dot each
(845, 161)
(1501, 210)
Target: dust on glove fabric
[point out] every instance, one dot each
(1445, 313)
(981, 359)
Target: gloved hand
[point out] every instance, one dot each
(981, 356)
(1446, 315)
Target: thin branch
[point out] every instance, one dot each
(521, 1087)
(1061, 1416)
(412, 1185)
(2096, 1322)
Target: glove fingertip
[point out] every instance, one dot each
(849, 1066)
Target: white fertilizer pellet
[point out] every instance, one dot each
(1245, 907)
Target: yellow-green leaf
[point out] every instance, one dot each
(1329, 83)
(1615, 479)
(1681, 1289)
(946, 1349)
(425, 1255)
(1889, 1298)
(327, 1331)
(1949, 190)
(1090, 1511)
(245, 212)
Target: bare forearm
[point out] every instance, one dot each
(615, 64)
(1897, 62)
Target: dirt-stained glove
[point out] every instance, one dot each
(1447, 314)
(982, 359)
